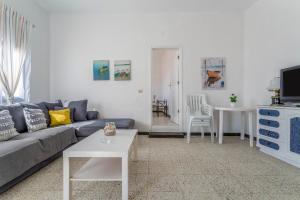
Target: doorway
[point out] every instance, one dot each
(166, 90)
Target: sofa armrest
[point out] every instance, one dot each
(92, 115)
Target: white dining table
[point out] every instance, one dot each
(244, 111)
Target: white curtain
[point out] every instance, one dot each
(15, 58)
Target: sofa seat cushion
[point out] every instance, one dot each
(52, 140)
(84, 130)
(29, 149)
(17, 156)
(121, 123)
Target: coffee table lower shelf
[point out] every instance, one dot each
(99, 169)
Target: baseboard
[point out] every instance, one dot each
(182, 134)
(166, 135)
(143, 133)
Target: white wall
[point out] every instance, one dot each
(40, 47)
(78, 39)
(272, 42)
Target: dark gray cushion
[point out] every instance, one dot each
(80, 110)
(51, 106)
(28, 149)
(45, 110)
(16, 111)
(30, 105)
(86, 129)
(92, 115)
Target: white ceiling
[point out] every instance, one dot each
(145, 5)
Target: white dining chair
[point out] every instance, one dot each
(200, 114)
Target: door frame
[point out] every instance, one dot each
(178, 128)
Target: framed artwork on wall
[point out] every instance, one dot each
(122, 70)
(213, 73)
(101, 70)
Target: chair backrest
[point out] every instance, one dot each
(196, 102)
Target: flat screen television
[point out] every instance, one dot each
(290, 84)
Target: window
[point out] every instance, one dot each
(15, 58)
(22, 91)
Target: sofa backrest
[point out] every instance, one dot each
(16, 111)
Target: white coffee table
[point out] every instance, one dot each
(108, 159)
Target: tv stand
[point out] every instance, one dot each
(278, 132)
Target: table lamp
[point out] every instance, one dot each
(275, 87)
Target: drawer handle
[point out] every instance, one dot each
(269, 133)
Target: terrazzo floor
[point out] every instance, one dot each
(170, 169)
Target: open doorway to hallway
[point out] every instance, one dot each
(165, 84)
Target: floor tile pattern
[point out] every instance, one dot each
(170, 169)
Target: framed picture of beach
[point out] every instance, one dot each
(213, 73)
(122, 70)
(101, 70)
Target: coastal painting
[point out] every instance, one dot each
(213, 73)
(101, 70)
(122, 70)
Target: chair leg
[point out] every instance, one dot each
(202, 132)
(188, 135)
(212, 134)
(213, 128)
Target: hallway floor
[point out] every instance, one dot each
(162, 120)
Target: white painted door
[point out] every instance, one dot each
(174, 88)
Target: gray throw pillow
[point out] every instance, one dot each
(16, 112)
(7, 129)
(45, 110)
(51, 106)
(35, 119)
(30, 105)
(92, 115)
(80, 110)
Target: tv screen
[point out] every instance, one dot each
(290, 90)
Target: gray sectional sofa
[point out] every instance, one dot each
(26, 153)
